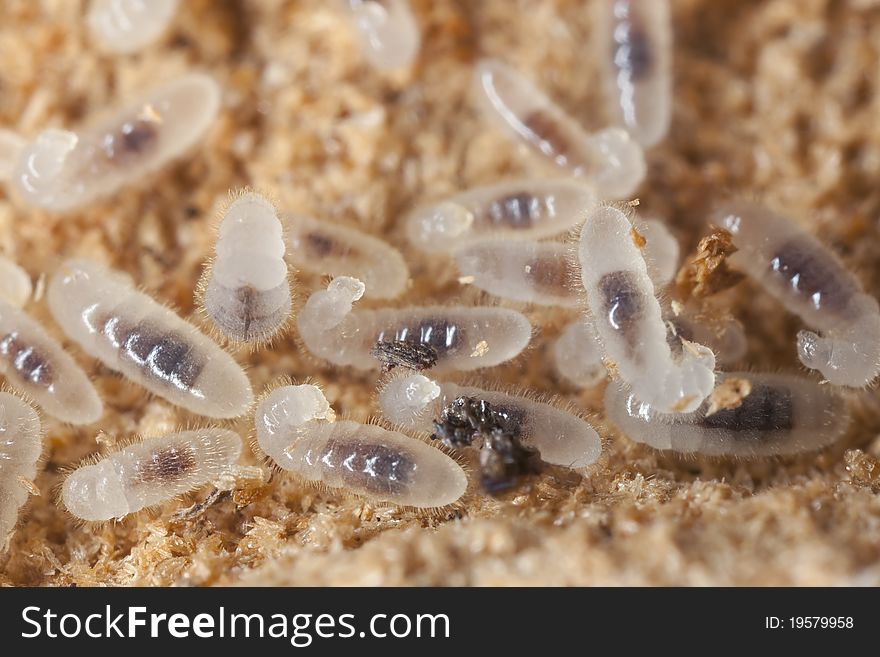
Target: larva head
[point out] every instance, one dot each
(327, 308)
(405, 398)
(283, 413)
(95, 493)
(41, 166)
(443, 223)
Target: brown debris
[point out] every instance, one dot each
(707, 272)
(728, 394)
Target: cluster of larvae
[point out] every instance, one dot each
(512, 240)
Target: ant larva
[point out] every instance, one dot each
(63, 170)
(148, 473)
(33, 362)
(125, 26)
(296, 429)
(464, 338)
(810, 281)
(635, 51)
(245, 289)
(560, 436)
(518, 209)
(778, 414)
(133, 334)
(11, 146)
(628, 319)
(577, 355)
(320, 247)
(609, 159)
(388, 31)
(15, 284)
(21, 443)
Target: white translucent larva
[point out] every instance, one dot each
(21, 443)
(388, 31)
(63, 170)
(782, 414)
(609, 159)
(725, 336)
(518, 209)
(530, 272)
(15, 284)
(577, 355)
(464, 338)
(635, 50)
(293, 430)
(125, 26)
(34, 363)
(562, 438)
(11, 147)
(809, 280)
(629, 322)
(321, 247)
(149, 473)
(661, 250)
(145, 341)
(245, 291)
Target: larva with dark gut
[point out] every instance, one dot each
(133, 334)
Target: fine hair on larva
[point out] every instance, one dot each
(774, 415)
(609, 159)
(524, 209)
(61, 170)
(21, 445)
(464, 338)
(33, 362)
(148, 343)
(320, 247)
(810, 281)
(561, 435)
(126, 26)
(149, 472)
(627, 315)
(245, 289)
(388, 31)
(634, 51)
(296, 428)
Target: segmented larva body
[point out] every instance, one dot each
(562, 438)
(125, 26)
(33, 362)
(810, 281)
(11, 147)
(15, 284)
(324, 248)
(293, 430)
(783, 414)
(464, 338)
(530, 272)
(577, 355)
(245, 291)
(388, 31)
(21, 443)
(635, 49)
(514, 210)
(629, 321)
(145, 341)
(609, 159)
(149, 473)
(63, 170)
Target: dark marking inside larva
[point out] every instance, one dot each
(166, 356)
(518, 211)
(438, 333)
(550, 275)
(547, 134)
(369, 467)
(28, 362)
(679, 330)
(131, 141)
(765, 409)
(321, 245)
(632, 49)
(166, 465)
(622, 301)
(813, 275)
(411, 355)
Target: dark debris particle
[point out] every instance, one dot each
(503, 457)
(412, 355)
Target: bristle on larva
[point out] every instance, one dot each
(20, 448)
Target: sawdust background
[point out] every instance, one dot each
(777, 98)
